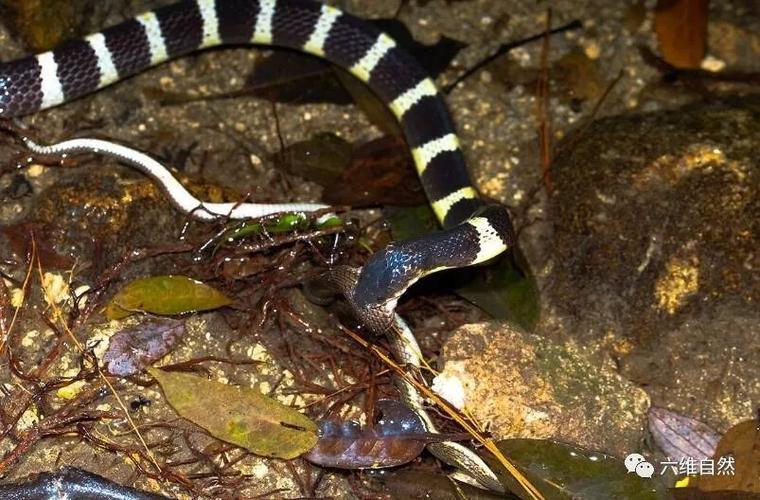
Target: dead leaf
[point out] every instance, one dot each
(20, 236)
(293, 77)
(563, 471)
(134, 348)
(380, 173)
(580, 76)
(239, 415)
(322, 159)
(739, 448)
(422, 484)
(680, 436)
(42, 24)
(398, 437)
(681, 27)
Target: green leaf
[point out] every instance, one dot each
(562, 471)
(331, 221)
(282, 224)
(165, 295)
(504, 291)
(410, 222)
(239, 415)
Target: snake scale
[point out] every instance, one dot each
(473, 231)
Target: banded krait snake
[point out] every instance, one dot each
(473, 231)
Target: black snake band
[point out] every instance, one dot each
(473, 231)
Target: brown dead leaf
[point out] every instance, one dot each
(380, 173)
(681, 27)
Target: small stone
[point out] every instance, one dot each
(56, 288)
(35, 170)
(167, 83)
(450, 388)
(591, 49)
(713, 64)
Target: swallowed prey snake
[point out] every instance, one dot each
(473, 231)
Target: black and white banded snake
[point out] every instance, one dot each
(473, 231)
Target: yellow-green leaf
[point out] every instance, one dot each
(165, 295)
(239, 415)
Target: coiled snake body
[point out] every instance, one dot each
(473, 232)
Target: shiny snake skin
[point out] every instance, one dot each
(473, 231)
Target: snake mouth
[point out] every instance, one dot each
(378, 318)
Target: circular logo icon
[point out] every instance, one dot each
(645, 469)
(632, 460)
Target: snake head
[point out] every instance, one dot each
(377, 317)
(387, 274)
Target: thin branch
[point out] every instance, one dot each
(503, 49)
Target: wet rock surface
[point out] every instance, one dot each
(655, 252)
(523, 385)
